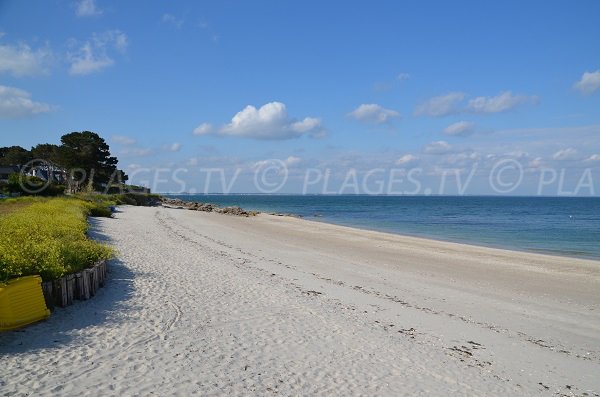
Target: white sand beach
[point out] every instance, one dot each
(208, 304)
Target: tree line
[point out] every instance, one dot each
(82, 158)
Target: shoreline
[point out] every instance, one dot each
(540, 251)
(425, 238)
(546, 261)
(237, 210)
(203, 302)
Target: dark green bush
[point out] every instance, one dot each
(33, 186)
(140, 199)
(100, 210)
(124, 199)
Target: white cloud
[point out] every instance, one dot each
(270, 121)
(15, 103)
(123, 140)
(466, 158)
(593, 157)
(499, 103)
(279, 166)
(589, 82)
(87, 8)
(203, 129)
(440, 105)
(444, 105)
(174, 147)
(374, 113)
(136, 152)
(292, 161)
(407, 159)
(172, 19)
(537, 163)
(192, 162)
(565, 154)
(118, 39)
(306, 125)
(93, 55)
(388, 85)
(20, 60)
(460, 128)
(86, 62)
(438, 147)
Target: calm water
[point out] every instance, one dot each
(558, 225)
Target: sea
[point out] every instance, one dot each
(566, 226)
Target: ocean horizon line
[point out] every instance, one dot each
(371, 195)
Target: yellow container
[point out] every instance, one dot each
(22, 302)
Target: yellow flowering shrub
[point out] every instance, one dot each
(47, 238)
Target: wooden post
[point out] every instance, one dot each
(84, 285)
(48, 297)
(78, 286)
(104, 271)
(89, 274)
(70, 288)
(100, 266)
(96, 278)
(59, 289)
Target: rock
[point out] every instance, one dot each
(233, 211)
(207, 207)
(285, 214)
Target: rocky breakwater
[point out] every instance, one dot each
(205, 207)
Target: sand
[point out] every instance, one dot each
(209, 304)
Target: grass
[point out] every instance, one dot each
(13, 204)
(47, 237)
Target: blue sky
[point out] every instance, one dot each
(450, 88)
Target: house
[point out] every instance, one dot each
(6, 170)
(47, 173)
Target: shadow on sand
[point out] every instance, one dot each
(65, 324)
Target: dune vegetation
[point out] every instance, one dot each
(48, 236)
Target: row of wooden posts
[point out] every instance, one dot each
(77, 286)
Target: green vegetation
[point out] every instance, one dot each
(100, 210)
(47, 237)
(138, 199)
(87, 156)
(82, 162)
(12, 204)
(17, 181)
(107, 200)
